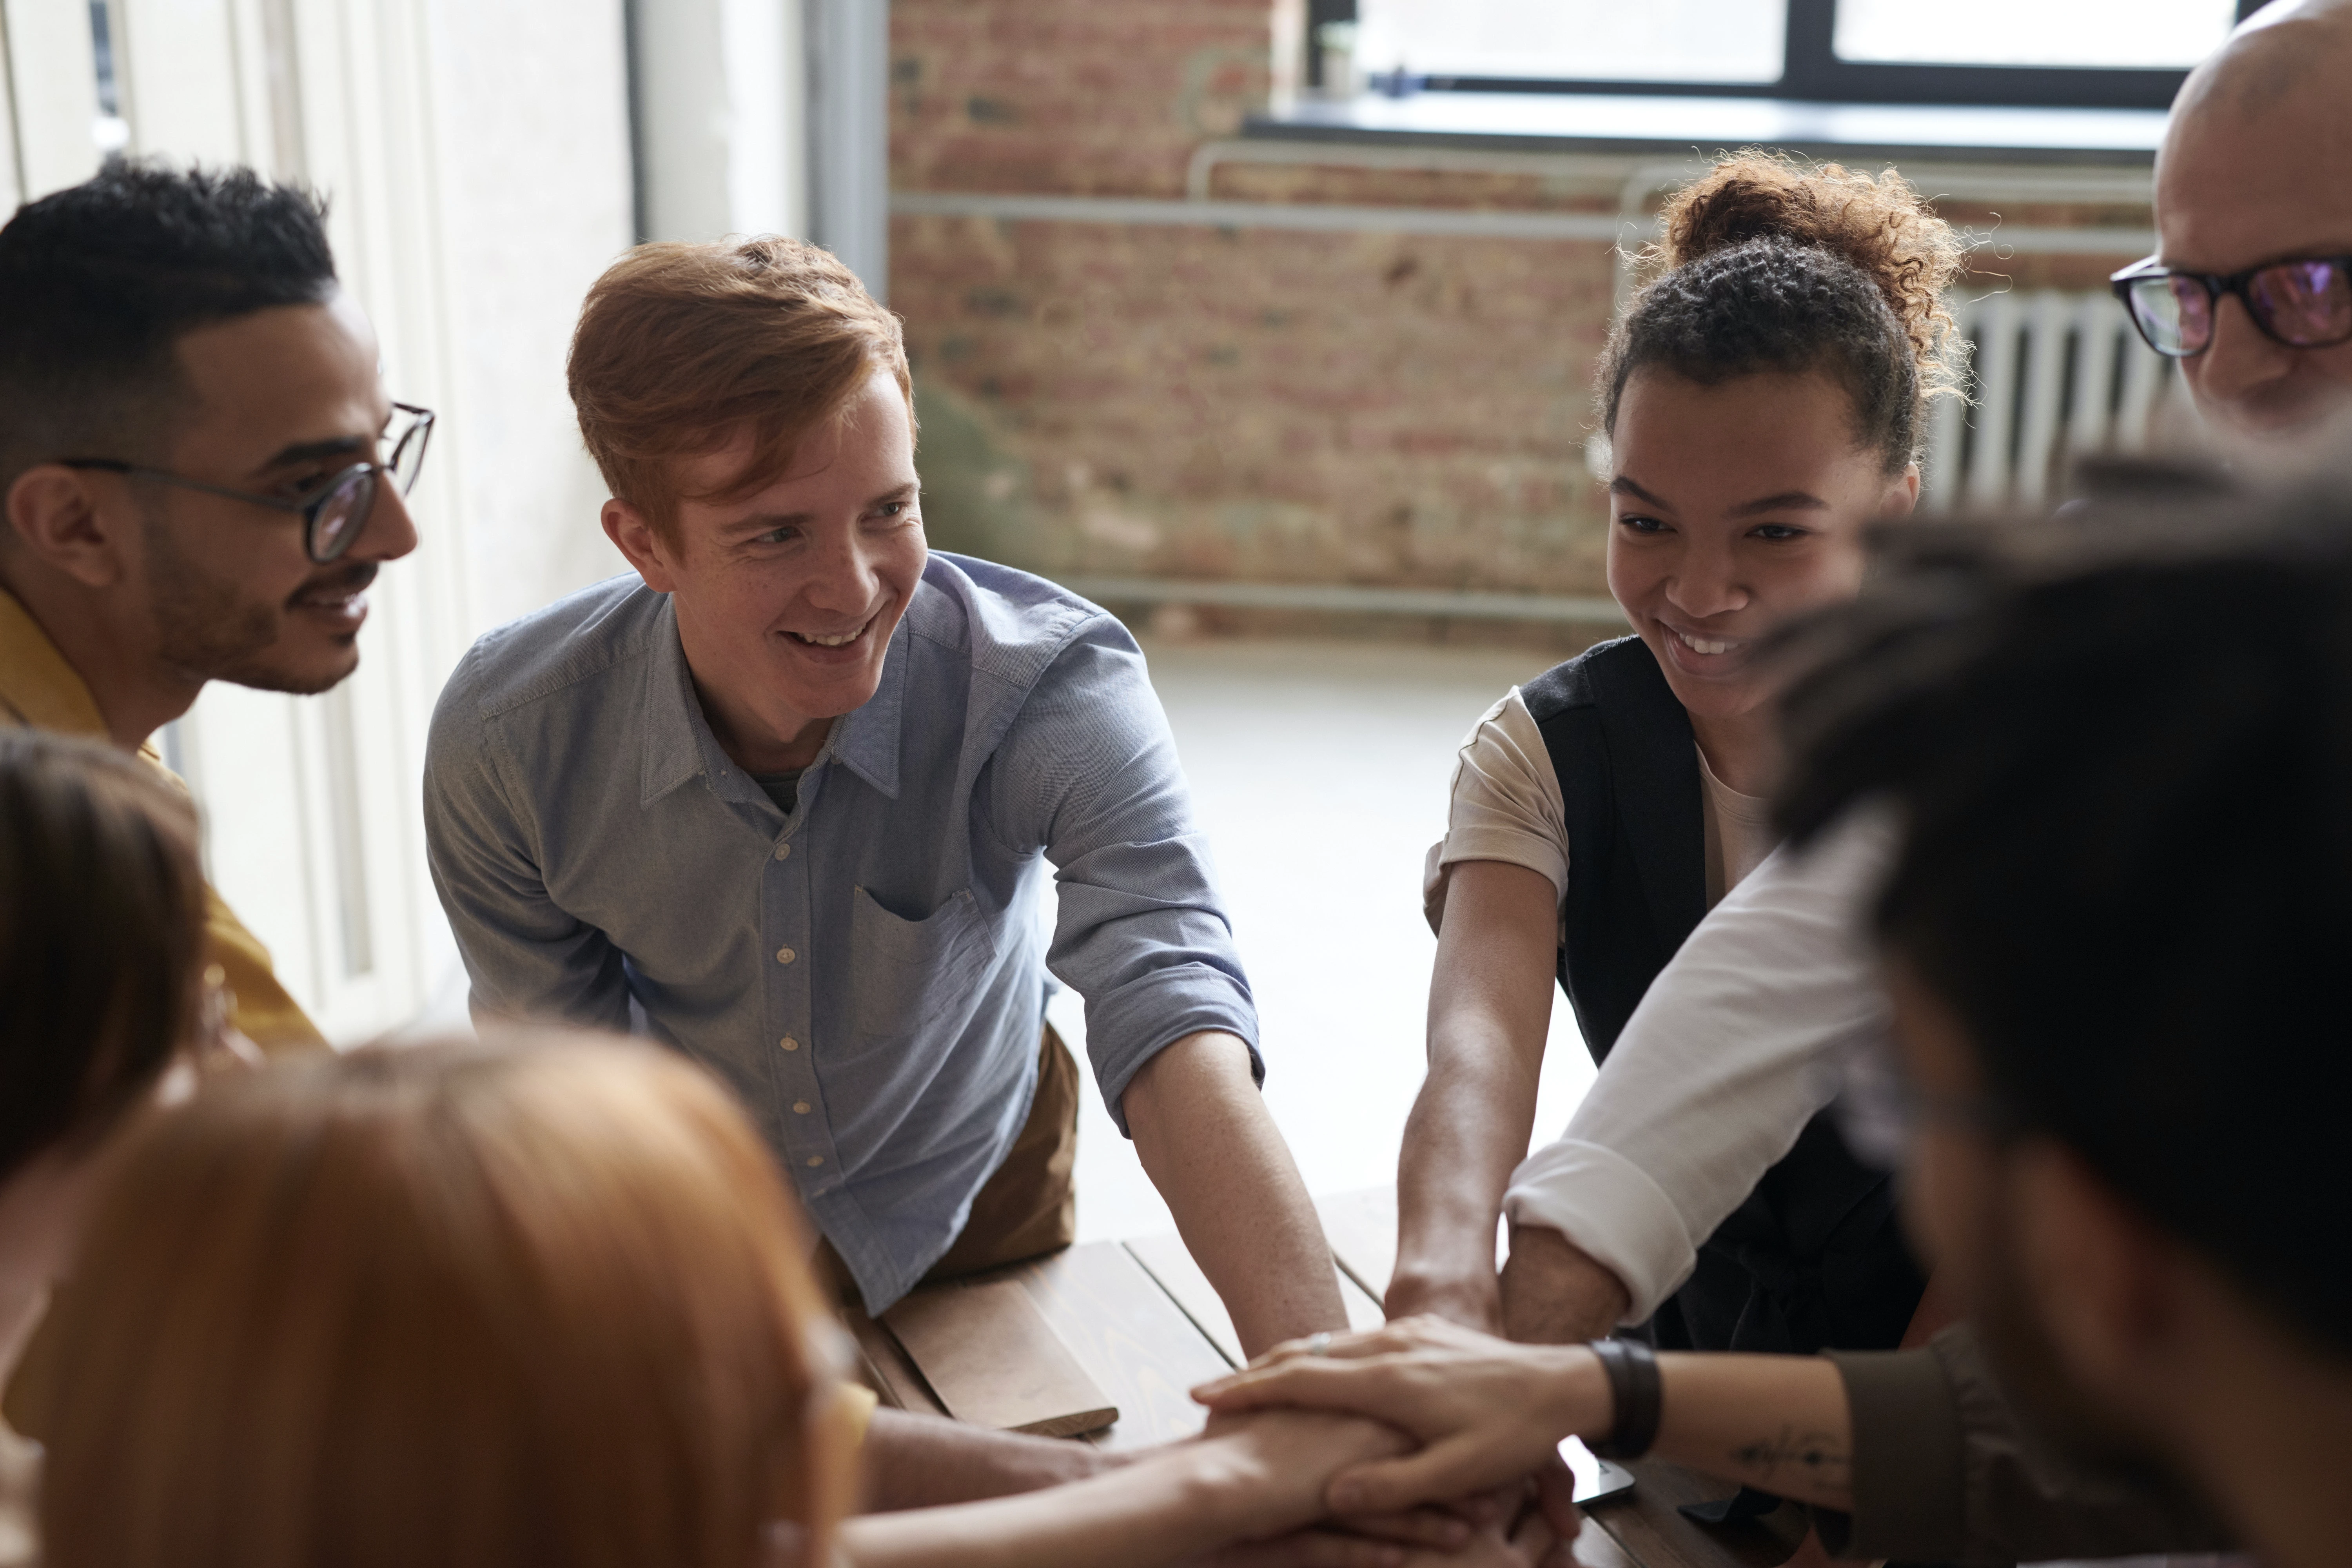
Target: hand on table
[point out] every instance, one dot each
(1489, 1411)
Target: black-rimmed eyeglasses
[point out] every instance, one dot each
(335, 511)
(2302, 304)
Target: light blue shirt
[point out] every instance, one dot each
(868, 972)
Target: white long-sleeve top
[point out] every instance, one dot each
(1735, 1046)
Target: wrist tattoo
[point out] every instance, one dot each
(1792, 1453)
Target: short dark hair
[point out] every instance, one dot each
(101, 279)
(1769, 263)
(102, 936)
(2120, 747)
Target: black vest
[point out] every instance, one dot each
(1814, 1257)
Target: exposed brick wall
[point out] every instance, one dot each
(1082, 97)
(1257, 404)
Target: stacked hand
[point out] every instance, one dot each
(1488, 1412)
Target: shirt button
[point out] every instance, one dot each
(783, 851)
(783, 955)
(800, 1108)
(815, 1160)
(789, 1043)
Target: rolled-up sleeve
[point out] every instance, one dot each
(1946, 1470)
(525, 956)
(1737, 1043)
(1089, 772)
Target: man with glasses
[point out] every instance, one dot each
(202, 471)
(2251, 288)
(1733, 1049)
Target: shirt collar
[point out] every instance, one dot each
(680, 746)
(37, 686)
(865, 741)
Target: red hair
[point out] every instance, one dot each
(682, 348)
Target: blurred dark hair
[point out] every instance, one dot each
(101, 279)
(102, 936)
(2120, 747)
(1769, 264)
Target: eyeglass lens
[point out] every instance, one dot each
(409, 458)
(2305, 304)
(342, 514)
(2174, 313)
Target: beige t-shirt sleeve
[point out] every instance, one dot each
(1503, 806)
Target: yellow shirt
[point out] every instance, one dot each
(38, 690)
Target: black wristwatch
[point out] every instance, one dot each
(1631, 1368)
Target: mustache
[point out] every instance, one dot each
(340, 583)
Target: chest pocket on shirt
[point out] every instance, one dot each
(911, 977)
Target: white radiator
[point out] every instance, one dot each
(2057, 373)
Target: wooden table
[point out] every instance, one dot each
(1142, 1319)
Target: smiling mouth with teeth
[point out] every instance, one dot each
(1705, 645)
(843, 640)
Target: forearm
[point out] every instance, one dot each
(1206, 1139)
(1257, 1477)
(926, 1461)
(1138, 1516)
(1780, 1424)
(1556, 1293)
(1469, 1126)
(1489, 1013)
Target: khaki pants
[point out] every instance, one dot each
(1028, 1208)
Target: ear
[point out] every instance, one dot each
(2105, 1284)
(57, 515)
(634, 537)
(1902, 494)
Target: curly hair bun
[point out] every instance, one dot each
(1880, 225)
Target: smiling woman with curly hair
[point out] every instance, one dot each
(1763, 400)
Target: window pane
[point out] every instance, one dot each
(1657, 40)
(2147, 34)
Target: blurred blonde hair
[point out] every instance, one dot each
(470, 1305)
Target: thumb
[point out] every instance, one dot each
(1556, 1499)
(1450, 1468)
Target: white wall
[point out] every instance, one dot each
(722, 99)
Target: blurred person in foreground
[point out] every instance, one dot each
(1733, 1049)
(102, 984)
(201, 468)
(786, 797)
(2105, 761)
(551, 1307)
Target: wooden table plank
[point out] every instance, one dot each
(1362, 1229)
(1363, 1309)
(1646, 1525)
(1172, 1266)
(1131, 1335)
(887, 1370)
(1596, 1548)
(989, 1354)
